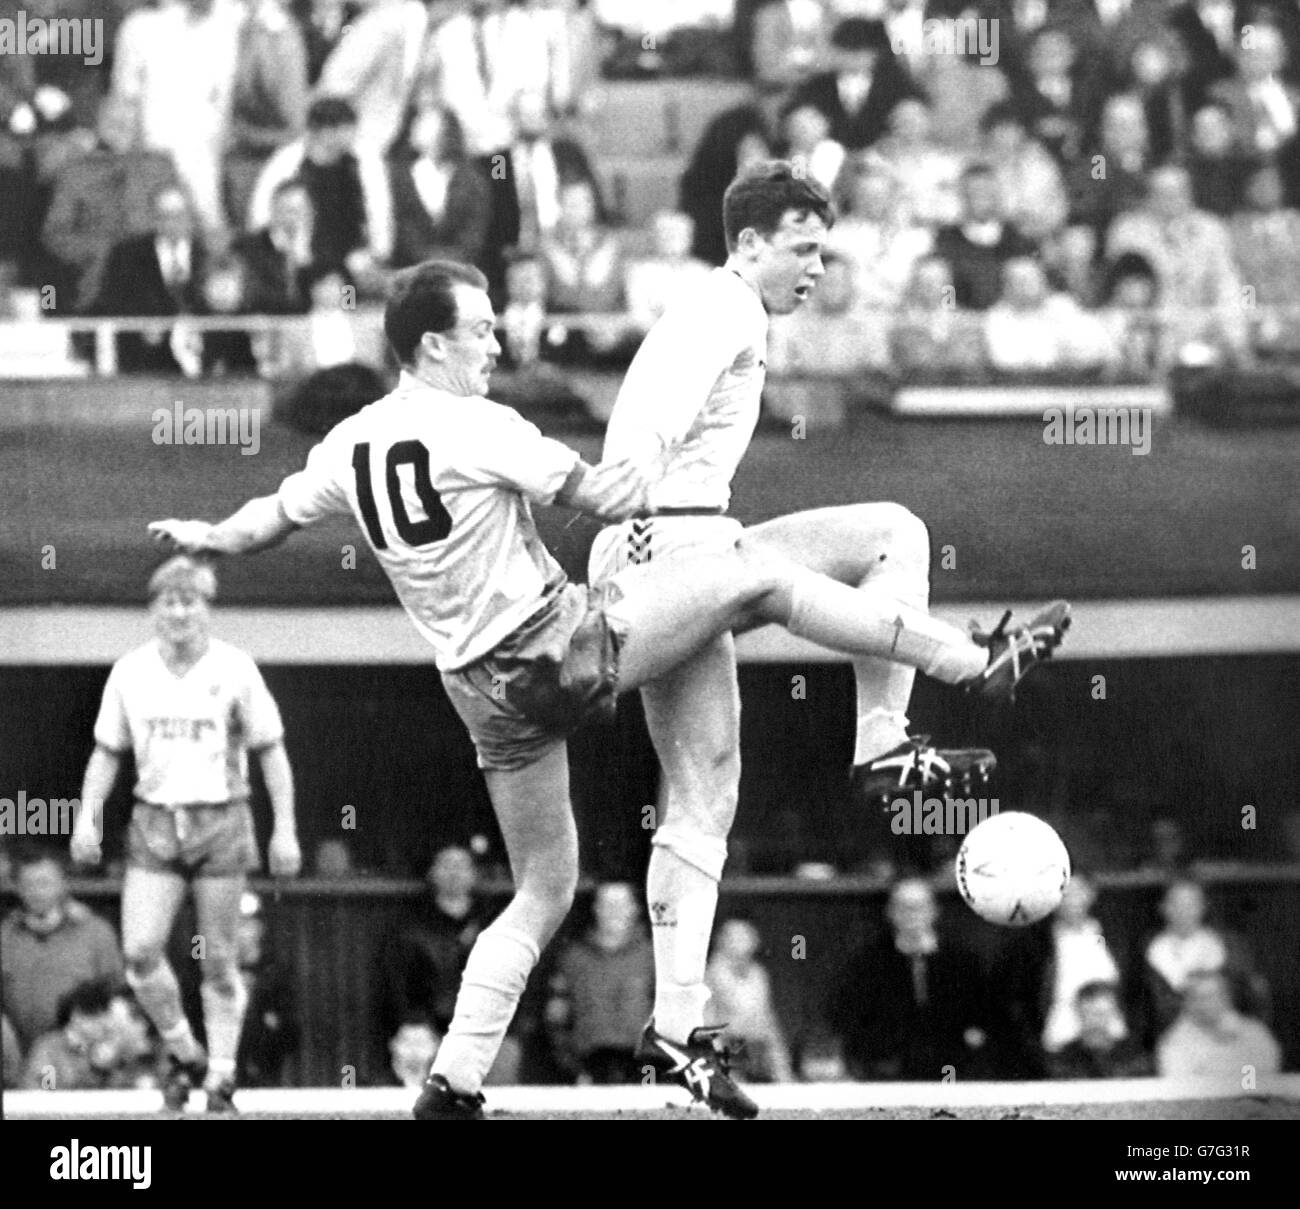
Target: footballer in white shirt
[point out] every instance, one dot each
(688, 407)
(441, 481)
(189, 708)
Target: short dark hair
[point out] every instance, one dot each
(422, 299)
(762, 193)
(35, 852)
(327, 112)
(88, 998)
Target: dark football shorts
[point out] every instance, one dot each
(193, 841)
(556, 671)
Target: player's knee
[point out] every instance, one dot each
(904, 530)
(221, 975)
(142, 958)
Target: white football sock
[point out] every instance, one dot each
(159, 995)
(223, 1017)
(682, 901)
(490, 988)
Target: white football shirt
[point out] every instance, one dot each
(190, 734)
(440, 485)
(690, 400)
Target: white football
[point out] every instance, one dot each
(1013, 869)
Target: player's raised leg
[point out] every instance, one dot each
(150, 900)
(224, 995)
(532, 808)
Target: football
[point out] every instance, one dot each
(1012, 869)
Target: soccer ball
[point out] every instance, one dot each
(1013, 869)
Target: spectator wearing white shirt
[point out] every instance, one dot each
(176, 65)
(741, 994)
(928, 175)
(1212, 1040)
(1032, 329)
(1079, 956)
(653, 282)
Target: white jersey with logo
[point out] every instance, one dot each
(690, 400)
(190, 734)
(440, 485)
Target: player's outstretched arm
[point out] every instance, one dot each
(285, 857)
(258, 524)
(96, 785)
(612, 491)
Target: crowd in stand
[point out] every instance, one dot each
(1061, 999)
(1025, 186)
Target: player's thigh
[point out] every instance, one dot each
(844, 542)
(150, 901)
(536, 820)
(693, 715)
(217, 904)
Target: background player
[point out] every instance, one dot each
(688, 407)
(190, 708)
(440, 481)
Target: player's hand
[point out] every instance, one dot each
(85, 848)
(187, 537)
(285, 857)
(618, 488)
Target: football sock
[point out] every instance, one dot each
(494, 979)
(862, 621)
(682, 901)
(223, 1016)
(159, 994)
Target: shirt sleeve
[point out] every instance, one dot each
(112, 730)
(515, 454)
(260, 714)
(316, 490)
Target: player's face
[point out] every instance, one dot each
(469, 351)
(788, 262)
(180, 617)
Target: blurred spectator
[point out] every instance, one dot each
(914, 1001)
(279, 265)
(523, 319)
(1266, 245)
(412, 1050)
(442, 203)
(1130, 296)
(1187, 944)
(1210, 1039)
(489, 52)
(602, 991)
(1207, 30)
(348, 186)
(270, 1033)
(333, 860)
(671, 37)
(323, 25)
(268, 105)
(1168, 848)
(1070, 257)
(1059, 91)
(1262, 107)
(176, 65)
(12, 1051)
(1160, 79)
(734, 139)
(653, 281)
(585, 274)
(1029, 179)
(876, 234)
(961, 89)
(158, 273)
(788, 42)
(388, 53)
(982, 241)
(805, 140)
(50, 944)
(102, 1041)
(1102, 1047)
(930, 337)
(1032, 329)
(928, 175)
(1217, 170)
(864, 83)
(101, 195)
(1189, 250)
(1104, 185)
(527, 177)
(741, 995)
